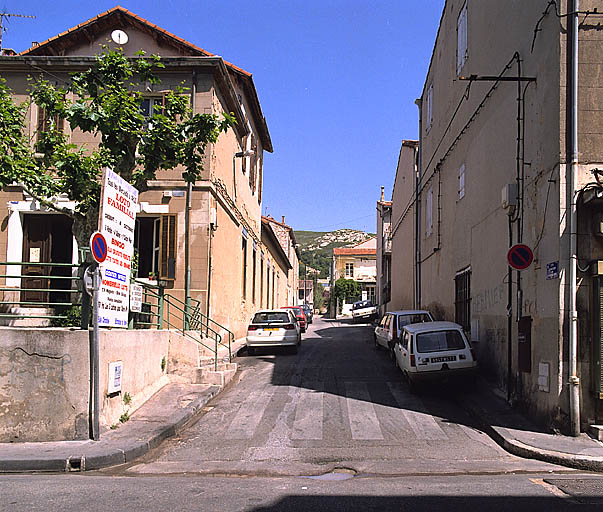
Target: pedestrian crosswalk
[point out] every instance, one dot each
(312, 412)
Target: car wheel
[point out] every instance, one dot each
(250, 351)
(392, 356)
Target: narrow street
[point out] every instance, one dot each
(337, 404)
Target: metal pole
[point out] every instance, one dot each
(94, 356)
(418, 170)
(574, 381)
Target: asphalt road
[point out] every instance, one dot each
(332, 428)
(337, 404)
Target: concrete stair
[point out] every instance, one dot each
(596, 432)
(220, 377)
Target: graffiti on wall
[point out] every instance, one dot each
(488, 298)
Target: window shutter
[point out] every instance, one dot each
(167, 248)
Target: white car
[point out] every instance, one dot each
(273, 328)
(434, 351)
(390, 326)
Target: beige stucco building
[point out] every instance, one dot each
(224, 225)
(495, 149)
(359, 264)
(288, 243)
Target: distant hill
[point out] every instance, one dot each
(316, 247)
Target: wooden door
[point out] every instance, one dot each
(37, 243)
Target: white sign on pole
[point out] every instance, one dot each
(136, 298)
(119, 202)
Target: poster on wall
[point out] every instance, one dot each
(119, 203)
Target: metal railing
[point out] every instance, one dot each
(43, 291)
(162, 310)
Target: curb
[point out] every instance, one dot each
(515, 447)
(91, 456)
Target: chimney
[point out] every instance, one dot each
(34, 44)
(382, 194)
(283, 219)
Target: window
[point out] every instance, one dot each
(254, 259)
(349, 270)
(273, 279)
(268, 284)
(429, 108)
(151, 106)
(461, 182)
(167, 248)
(429, 212)
(439, 341)
(462, 298)
(48, 123)
(261, 279)
(461, 39)
(244, 262)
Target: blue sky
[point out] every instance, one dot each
(337, 80)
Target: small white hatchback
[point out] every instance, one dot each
(434, 351)
(273, 328)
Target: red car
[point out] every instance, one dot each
(299, 314)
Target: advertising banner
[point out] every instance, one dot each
(119, 203)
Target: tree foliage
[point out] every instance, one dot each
(104, 100)
(346, 289)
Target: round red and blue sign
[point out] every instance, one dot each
(98, 247)
(520, 257)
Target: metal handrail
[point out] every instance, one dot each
(186, 318)
(69, 302)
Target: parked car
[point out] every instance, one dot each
(273, 327)
(300, 315)
(390, 326)
(363, 310)
(308, 312)
(434, 351)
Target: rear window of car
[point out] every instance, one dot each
(412, 319)
(271, 317)
(439, 341)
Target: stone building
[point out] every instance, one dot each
(224, 223)
(502, 161)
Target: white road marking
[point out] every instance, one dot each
(422, 423)
(361, 412)
(309, 413)
(250, 414)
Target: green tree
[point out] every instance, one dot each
(107, 103)
(346, 289)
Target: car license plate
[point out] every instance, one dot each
(271, 328)
(442, 359)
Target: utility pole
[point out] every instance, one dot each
(5, 16)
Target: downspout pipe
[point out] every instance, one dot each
(187, 223)
(417, 255)
(572, 169)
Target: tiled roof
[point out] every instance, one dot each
(121, 10)
(353, 251)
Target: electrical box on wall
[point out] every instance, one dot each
(509, 196)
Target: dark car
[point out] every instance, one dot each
(308, 312)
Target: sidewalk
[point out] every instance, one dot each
(165, 414)
(519, 436)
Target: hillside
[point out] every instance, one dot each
(316, 247)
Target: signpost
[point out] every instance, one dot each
(520, 257)
(119, 201)
(108, 280)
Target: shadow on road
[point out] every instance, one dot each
(337, 355)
